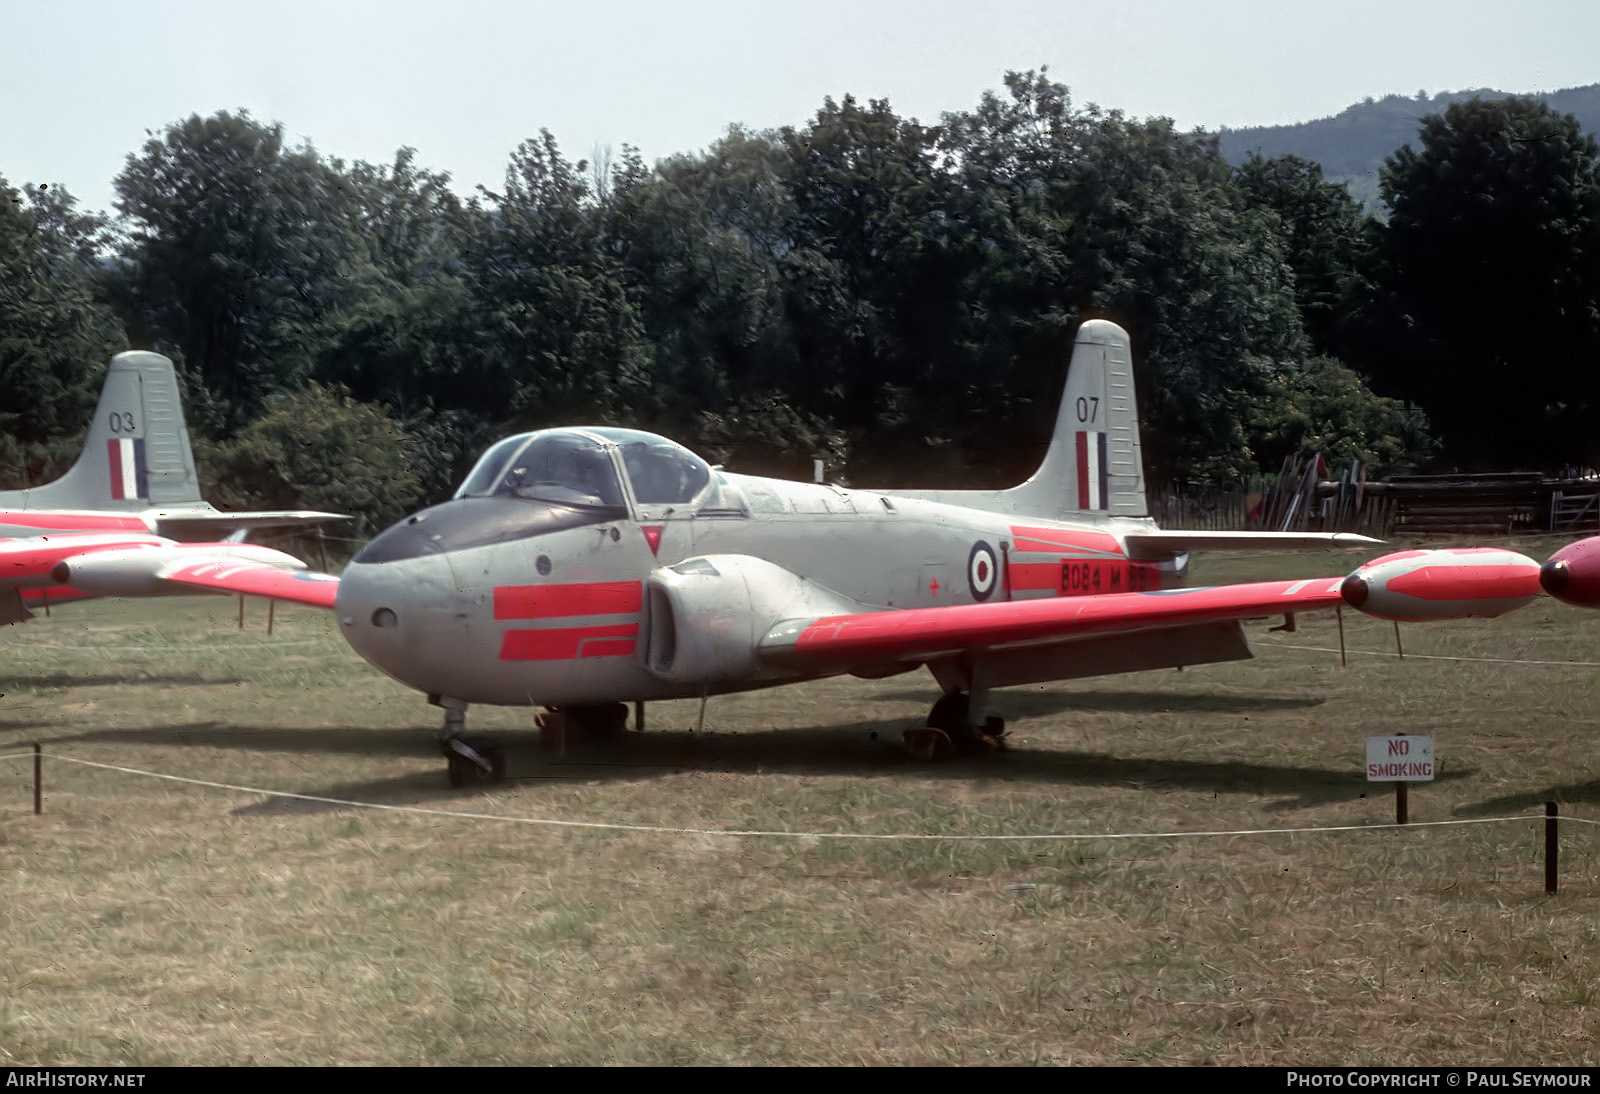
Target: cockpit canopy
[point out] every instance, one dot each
(585, 468)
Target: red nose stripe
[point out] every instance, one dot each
(569, 643)
(550, 601)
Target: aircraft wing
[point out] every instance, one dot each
(916, 635)
(255, 579)
(1155, 545)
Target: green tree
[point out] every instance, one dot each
(1487, 307)
(55, 334)
(319, 448)
(562, 335)
(1093, 214)
(1323, 231)
(239, 251)
(701, 241)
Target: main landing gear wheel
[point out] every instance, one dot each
(951, 732)
(579, 724)
(480, 763)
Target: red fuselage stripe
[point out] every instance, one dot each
(554, 601)
(569, 643)
(1084, 576)
(1052, 540)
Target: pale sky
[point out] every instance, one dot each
(81, 81)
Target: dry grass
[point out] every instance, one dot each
(150, 922)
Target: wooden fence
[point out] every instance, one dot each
(1305, 497)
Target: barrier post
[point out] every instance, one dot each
(1550, 847)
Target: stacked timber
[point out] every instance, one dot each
(1301, 499)
(1497, 504)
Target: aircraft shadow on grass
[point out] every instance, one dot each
(1586, 793)
(381, 741)
(865, 749)
(1020, 703)
(112, 679)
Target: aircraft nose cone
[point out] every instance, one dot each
(401, 616)
(1355, 590)
(1572, 574)
(1554, 577)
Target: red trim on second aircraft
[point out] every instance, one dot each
(72, 522)
(582, 598)
(568, 643)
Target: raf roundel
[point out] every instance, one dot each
(982, 572)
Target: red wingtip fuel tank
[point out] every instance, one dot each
(1572, 574)
(1446, 584)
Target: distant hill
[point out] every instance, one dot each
(1352, 145)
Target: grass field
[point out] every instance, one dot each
(151, 922)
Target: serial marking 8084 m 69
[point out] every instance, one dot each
(582, 569)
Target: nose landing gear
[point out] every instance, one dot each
(469, 762)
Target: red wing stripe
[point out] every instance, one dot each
(553, 601)
(886, 636)
(567, 643)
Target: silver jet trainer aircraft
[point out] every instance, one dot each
(127, 518)
(582, 569)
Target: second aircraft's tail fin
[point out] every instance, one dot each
(137, 454)
(1093, 468)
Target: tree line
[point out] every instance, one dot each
(898, 298)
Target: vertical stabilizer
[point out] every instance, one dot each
(1093, 469)
(137, 455)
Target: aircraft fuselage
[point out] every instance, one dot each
(552, 606)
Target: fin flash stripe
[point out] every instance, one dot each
(129, 478)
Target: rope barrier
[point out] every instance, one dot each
(1431, 656)
(779, 834)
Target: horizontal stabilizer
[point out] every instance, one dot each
(1148, 546)
(214, 524)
